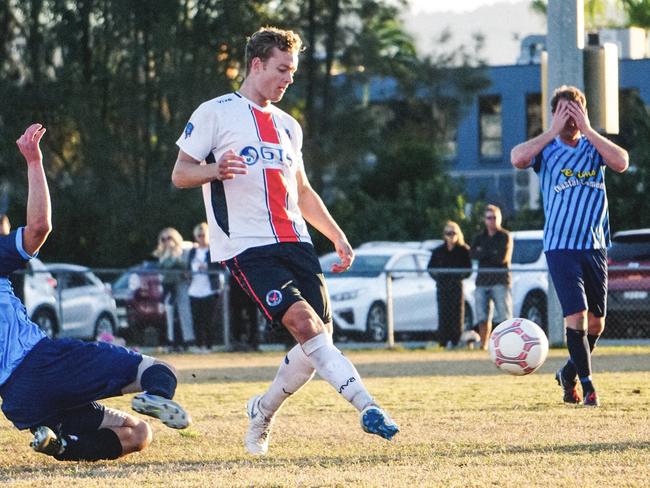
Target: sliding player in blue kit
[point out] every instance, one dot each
(51, 386)
(570, 158)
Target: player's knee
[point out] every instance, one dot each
(303, 322)
(596, 325)
(141, 436)
(168, 366)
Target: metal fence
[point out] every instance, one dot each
(399, 305)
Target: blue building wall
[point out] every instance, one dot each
(492, 179)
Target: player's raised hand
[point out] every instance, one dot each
(560, 117)
(229, 165)
(579, 115)
(346, 255)
(28, 143)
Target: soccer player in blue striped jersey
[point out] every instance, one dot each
(51, 386)
(570, 159)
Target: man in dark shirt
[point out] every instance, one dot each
(493, 249)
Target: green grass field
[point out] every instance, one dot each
(463, 424)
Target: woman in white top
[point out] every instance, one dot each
(204, 289)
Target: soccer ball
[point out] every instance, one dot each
(518, 346)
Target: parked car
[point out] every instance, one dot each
(358, 296)
(139, 296)
(36, 287)
(85, 304)
(628, 305)
(529, 277)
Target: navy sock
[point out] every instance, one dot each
(579, 351)
(569, 370)
(159, 380)
(102, 444)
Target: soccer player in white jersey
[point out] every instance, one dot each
(570, 158)
(246, 153)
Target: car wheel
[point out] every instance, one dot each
(45, 320)
(376, 323)
(534, 309)
(104, 325)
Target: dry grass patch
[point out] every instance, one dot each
(463, 424)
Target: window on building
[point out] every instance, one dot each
(533, 115)
(491, 127)
(445, 115)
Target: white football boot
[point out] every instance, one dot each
(259, 428)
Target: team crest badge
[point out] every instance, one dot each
(188, 129)
(273, 298)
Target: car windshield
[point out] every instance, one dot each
(630, 248)
(526, 251)
(364, 265)
(121, 282)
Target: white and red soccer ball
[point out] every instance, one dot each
(518, 346)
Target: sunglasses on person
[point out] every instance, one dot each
(165, 238)
(450, 233)
(490, 217)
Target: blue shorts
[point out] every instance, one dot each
(278, 275)
(580, 279)
(59, 381)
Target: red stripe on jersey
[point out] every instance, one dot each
(265, 126)
(276, 200)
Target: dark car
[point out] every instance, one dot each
(139, 296)
(628, 305)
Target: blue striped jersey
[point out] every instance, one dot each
(572, 180)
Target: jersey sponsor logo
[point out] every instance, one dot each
(225, 100)
(188, 129)
(273, 298)
(580, 174)
(267, 154)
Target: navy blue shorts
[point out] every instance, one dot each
(580, 279)
(59, 381)
(278, 275)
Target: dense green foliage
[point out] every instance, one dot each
(116, 81)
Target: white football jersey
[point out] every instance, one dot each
(260, 207)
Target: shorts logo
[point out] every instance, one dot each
(250, 155)
(188, 129)
(273, 298)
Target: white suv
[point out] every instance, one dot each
(529, 277)
(358, 296)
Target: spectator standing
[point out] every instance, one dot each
(173, 263)
(204, 290)
(452, 254)
(493, 249)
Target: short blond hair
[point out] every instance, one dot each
(261, 44)
(498, 218)
(570, 93)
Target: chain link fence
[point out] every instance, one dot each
(398, 305)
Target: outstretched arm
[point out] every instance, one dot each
(39, 212)
(314, 211)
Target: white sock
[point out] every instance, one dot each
(337, 370)
(294, 372)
